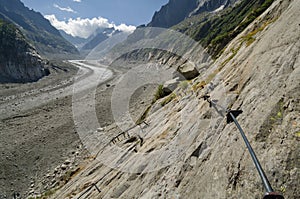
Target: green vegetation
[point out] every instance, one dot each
(275, 118)
(143, 116)
(249, 38)
(283, 189)
(216, 31)
(277, 114)
(168, 99)
(209, 78)
(234, 51)
(199, 86)
(159, 94)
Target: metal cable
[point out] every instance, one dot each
(231, 117)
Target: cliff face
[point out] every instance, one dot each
(45, 38)
(166, 17)
(177, 10)
(19, 61)
(258, 72)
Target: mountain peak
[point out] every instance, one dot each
(177, 10)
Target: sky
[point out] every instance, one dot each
(82, 17)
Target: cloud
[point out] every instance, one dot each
(67, 9)
(86, 27)
(77, 1)
(125, 28)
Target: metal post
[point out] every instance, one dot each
(97, 188)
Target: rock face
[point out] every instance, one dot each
(177, 10)
(212, 5)
(166, 17)
(19, 62)
(189, 151)
(45, 38)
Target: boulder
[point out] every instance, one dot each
(64, 167)
(188, 71)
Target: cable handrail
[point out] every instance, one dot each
(231, 117)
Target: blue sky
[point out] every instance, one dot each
(82, 18)
(131, 12)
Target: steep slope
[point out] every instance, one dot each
(19, 61)
(258, 72)
(177, 10)
(36, 28)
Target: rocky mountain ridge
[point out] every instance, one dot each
(176, 11)
(19, 61)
